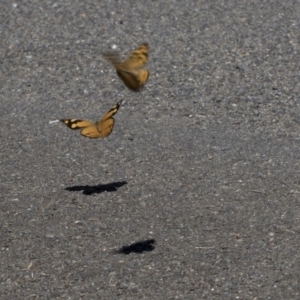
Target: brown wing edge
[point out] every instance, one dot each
(114, 109)
(71, 123)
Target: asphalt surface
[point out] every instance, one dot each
(194, 195)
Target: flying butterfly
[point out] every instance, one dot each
(100, 129)
(131, 70)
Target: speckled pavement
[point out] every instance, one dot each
(194, 195)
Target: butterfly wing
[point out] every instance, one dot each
(134, 79)
(106, 124)
(89, 128)
(77, 124)
(105, 127)
(91, 131)
(137, 59)
(131, 70)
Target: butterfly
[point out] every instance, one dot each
(100, 129)
(131, 70)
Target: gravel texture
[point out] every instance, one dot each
(194, 195)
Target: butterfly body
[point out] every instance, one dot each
(132, 71)
(100, 129)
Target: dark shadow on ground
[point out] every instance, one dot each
(138, 247)
(96, 189)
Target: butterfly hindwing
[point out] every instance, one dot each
(91, 132)
(100, 129)
(131, 70)
(105, 127)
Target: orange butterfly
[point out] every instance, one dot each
(131, 70)
(100, 129)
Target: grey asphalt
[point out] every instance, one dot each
(194, 195)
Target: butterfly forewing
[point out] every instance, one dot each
(76, 124)
(138, 58)
(112, 111)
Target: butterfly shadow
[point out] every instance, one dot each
(138, 247)
(96, 189)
